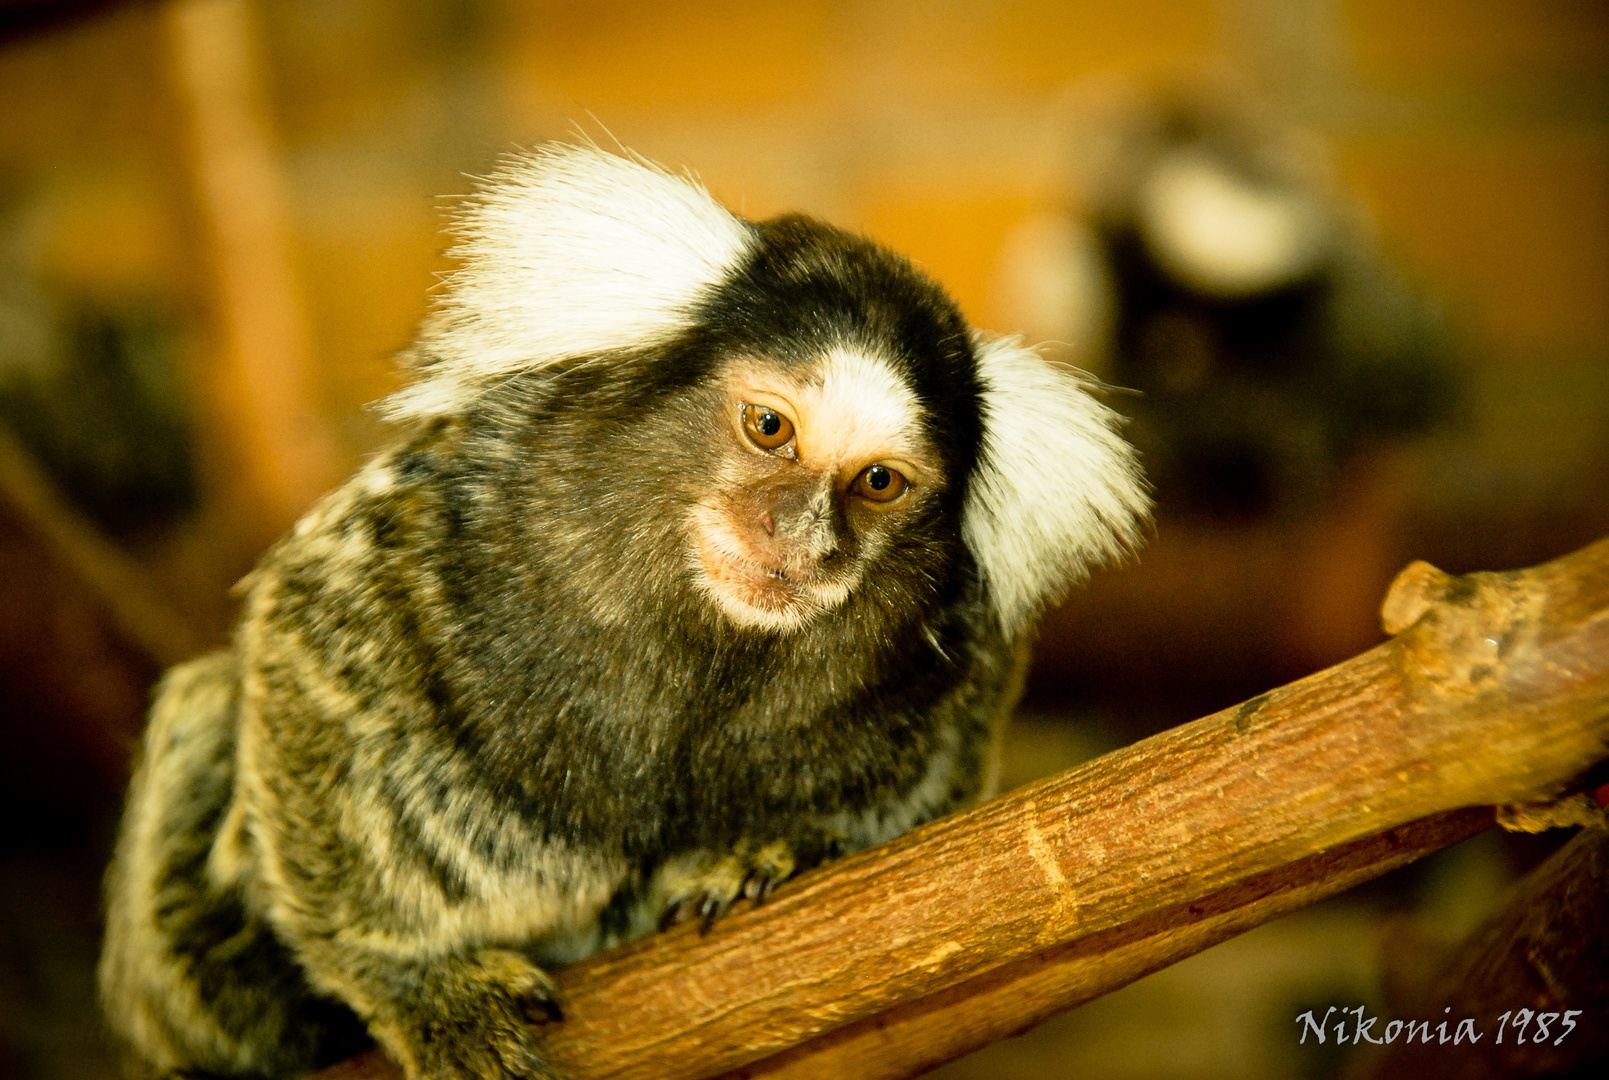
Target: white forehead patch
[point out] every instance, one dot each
(857, 409)
(1056, 489)
(566, 251)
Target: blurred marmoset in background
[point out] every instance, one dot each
(91, 385)
(710, 556)
(1217, 269)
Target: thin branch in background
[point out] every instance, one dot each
(1545, 951)
(134, 604)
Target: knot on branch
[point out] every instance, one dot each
(1466, 630)
(1567, 811)
(1412, 593)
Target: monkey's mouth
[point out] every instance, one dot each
(751, 580)
(760, 593)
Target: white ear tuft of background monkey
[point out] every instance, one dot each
(710, 554)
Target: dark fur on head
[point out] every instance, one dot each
(579, 656)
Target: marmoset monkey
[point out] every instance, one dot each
(709, 557)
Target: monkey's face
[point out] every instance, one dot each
(818, 466)
(779, 424)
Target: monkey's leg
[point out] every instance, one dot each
(457, 1016)
(190, 979)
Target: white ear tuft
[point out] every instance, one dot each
(565, 251)
(1055, 491)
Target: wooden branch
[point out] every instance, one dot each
(136, 606)
(1547, 950)
(915, 1036)
(976, 926)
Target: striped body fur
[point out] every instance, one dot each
(711, 555)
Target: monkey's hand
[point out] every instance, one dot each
(704, 884)
(465, 1017)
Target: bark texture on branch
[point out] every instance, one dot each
(1495, 690)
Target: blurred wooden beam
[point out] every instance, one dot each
(256, 387)
(976, 926)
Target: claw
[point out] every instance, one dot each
(759, 886)
(543, 1010)
(712, 908)
(704, 886)
(673, 914)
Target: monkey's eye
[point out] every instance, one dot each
(880, 484)
(766, 428)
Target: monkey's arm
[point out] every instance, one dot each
(376, 847)
(961, 766)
